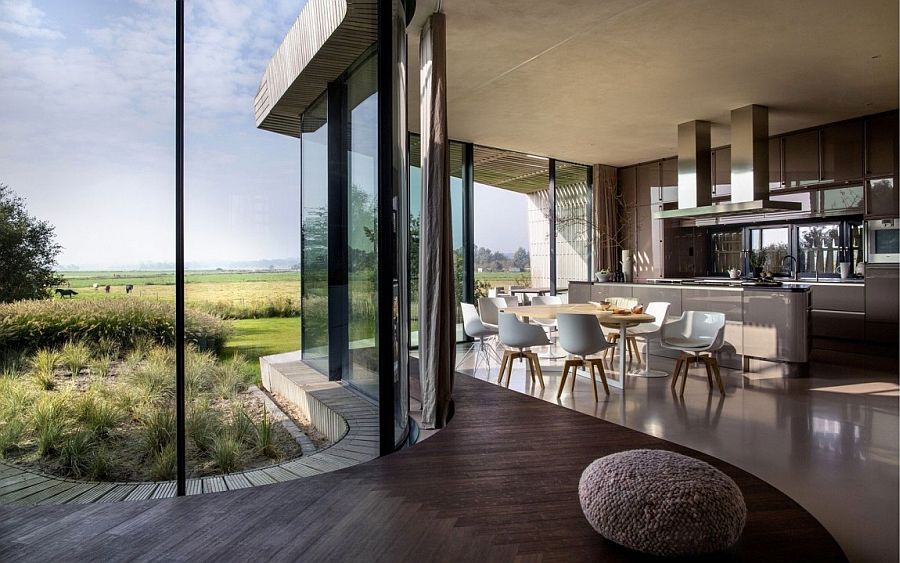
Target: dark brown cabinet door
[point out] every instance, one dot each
(643, 250)
(881, 145)
(842, 151)
(801, 159)
(722, 175)
(627, 178)
(647, 182)
(669, 192)
(775, 164)
(882, 197)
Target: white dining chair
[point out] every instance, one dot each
(659, 310)
(698, 335)
(481, 333)
(521, 337)
(581, 335)
(489, 307)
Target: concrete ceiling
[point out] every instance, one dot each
(608, 81)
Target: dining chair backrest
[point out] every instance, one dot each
(705, 328)
(546, 300)
(659, 310)
(472, 324)
(580, 335)
(516, 334)
(508, 300)
(487, 308)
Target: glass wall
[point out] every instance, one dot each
(362, 226)
(314, 234)
(818, 247)
(457, 191)
(573, 224)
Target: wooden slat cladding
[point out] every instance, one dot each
(328, 36)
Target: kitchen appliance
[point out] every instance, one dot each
(883, 241)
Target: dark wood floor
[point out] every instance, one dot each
(500, 483)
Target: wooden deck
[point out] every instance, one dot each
(352, 426)
(500, 483)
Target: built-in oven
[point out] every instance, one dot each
(883, 241)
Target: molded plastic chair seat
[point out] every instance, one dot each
(660, 312)
(581, 335)
(694, 333)
(474, 327)
(522, 336)
(546, 300)
(489, 307)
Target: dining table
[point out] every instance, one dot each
(606, 317)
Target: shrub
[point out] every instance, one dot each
(158, 429)
(98, 416)
(231, 376)
(105, 347)
(99, 468)
(163, 466)
(226, 452)
(49, 417)
(241, 427)
(199, 371)
(100, 367)
(43, 368)
(74, 356)
(202, 425)
(11, 432)
(265, 436)
(76, 453)
(280, 306)
(27, 325)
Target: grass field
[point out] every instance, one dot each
(253, 338)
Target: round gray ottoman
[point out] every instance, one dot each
(661, 502)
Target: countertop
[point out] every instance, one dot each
(718, 285)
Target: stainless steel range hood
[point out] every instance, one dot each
(749, 169)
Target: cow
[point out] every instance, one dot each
(106, 289)
(66, 292)
(95, 286)
(129, 288)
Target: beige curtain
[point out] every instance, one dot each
(437, 310)
(606, 222)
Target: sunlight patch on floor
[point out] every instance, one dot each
(879, 388)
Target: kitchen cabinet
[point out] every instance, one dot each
(881, 145)
(627, 179)
(838, 312)
(801, 158)
(647, 181)
(721, 177)
(644, 244)
(882, 303)
(579, 292)
(669, 179)
(775, 182)
(882, 197)
(842, 151)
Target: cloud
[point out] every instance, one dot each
(23, 19)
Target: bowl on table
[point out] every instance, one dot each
(637, 309)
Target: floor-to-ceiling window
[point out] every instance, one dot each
(314, 234)
(573, 223)
(362, 226)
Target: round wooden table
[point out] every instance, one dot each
(607, 317)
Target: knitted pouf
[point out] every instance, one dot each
(662, 503)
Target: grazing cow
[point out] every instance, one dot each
(66, 292)
(106, 289)
(128, 288)
(95, 286)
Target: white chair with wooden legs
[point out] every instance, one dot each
(581, 335)
(549, 325)
(698, 335)
(612, 334)
(476, 329)
(522, 337)
(659, 310)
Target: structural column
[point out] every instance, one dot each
(437, 313)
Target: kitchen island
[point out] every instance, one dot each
(766, 327)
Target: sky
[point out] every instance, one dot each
(88, 113)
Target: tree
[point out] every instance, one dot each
(521, 259)
(28, 251)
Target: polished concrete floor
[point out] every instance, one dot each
(829, 441)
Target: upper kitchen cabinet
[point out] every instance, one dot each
(669, 191)
(647, 182)
(801, 159)
(721, 174)
(881, 145)
(842, 151)
(775, 182)
(882, 198)
(627, 185)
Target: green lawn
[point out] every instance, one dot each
(80, 279)
(261, 337)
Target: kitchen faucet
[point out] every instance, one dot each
(793, 268)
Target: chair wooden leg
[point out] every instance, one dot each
(594, 381)
(562, 382)
(677, 371)
(715, 366)
(502, 366)
(529, 366)
(637, 350)
(709, 379)
(611, 351)
(537, 368)
(599, 364)
(577, 365)
(686, 366)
